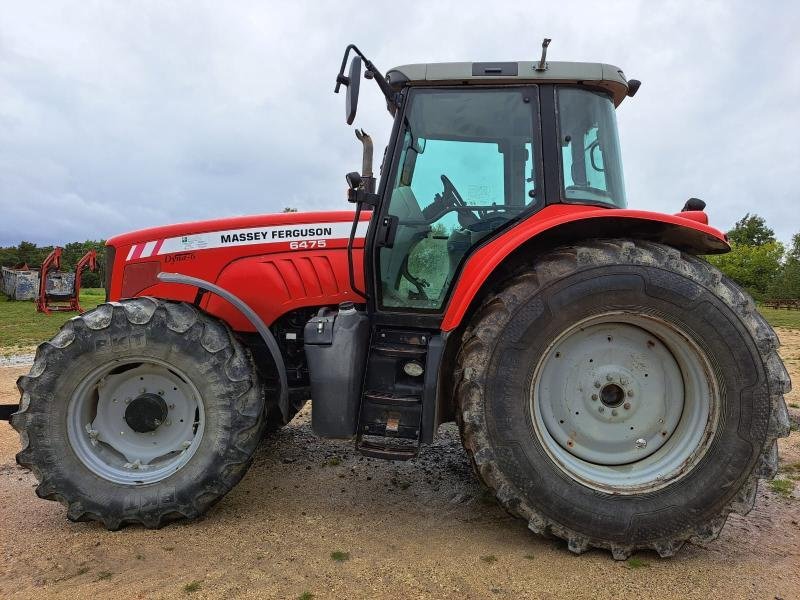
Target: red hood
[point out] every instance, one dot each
(194, 227)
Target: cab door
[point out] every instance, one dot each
(468, 163)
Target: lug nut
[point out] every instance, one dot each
(614, 412)
(627, 406)
(597, 384)
(601, 409)
(641, 443)
(630, 393)
(594, 396)
(609, 378)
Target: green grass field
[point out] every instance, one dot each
(780, 317)
(22, 328)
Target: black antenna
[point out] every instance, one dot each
(542, 66)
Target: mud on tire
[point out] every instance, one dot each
(185, 341)
(513, 330)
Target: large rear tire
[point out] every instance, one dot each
(140, 411)
(622, 395)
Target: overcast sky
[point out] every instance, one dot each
(121, 115)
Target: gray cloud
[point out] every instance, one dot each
(118, 116)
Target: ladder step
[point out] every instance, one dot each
(387, 452)
(399, 350)
(391, 400)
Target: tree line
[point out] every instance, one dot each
(32, 255)
(759, 262)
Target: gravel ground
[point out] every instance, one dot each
(422, 529)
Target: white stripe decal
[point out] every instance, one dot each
(148, 249)
(130, 252)
(261, 235)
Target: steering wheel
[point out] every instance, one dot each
(451, 197)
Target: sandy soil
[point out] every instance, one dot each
(421, 529)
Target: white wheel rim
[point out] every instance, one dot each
(106, 444)
(624, 403)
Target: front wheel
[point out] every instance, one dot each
(622, 395)
(140, 411)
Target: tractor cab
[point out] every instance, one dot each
(477, 147)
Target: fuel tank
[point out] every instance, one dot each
(275, 263)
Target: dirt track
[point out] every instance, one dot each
(422, 529)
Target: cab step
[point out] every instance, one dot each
(390, 414)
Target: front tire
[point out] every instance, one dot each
(139, 411)
(622, 395)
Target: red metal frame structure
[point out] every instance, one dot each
(48, 303)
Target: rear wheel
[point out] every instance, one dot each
(140, 411)
(622, 395)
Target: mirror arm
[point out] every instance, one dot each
(341, 78)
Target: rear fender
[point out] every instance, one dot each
(564, 224)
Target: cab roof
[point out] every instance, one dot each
(597, 75)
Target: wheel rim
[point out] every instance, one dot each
(135, 422)
(624, 403)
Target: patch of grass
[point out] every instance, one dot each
(794, 405)
(22, 328)
(140, 557)
(529, 557)
(305, 596)
(781, 317)
(339, 556)
(192, 586)
(784, 487)
(637, 563)
(82, 570)
(333, 462)
(103, 575)
(489, 558)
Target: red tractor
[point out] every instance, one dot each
(611, 386)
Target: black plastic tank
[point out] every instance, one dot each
(336, 344)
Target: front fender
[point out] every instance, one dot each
(560, 224)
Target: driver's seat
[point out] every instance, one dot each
(411, 228)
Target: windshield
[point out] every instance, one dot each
(590, 157)
(468, 165)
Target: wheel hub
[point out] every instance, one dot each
(622, 401)
(135, 423)
(612, 395)
(146, 413)
(608, 385)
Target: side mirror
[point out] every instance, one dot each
(353, 84)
